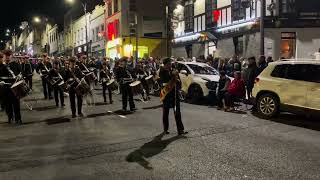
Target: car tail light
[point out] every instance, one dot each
(256, 80)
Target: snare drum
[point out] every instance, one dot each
(112, 85)
(20, 89)
(64, 86)
(90, 77)
(136, 87)
(150, 80)
(50, 80)
(83, 88)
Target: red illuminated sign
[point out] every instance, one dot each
(216, 15)
(113, 30)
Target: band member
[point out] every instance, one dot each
(169, 95)
(55, 75)
(27, 70)
(105, 78)
(82, 64)
(124, 78)
(73, 76)
(8, 71)
(44, 67)
(142, 75)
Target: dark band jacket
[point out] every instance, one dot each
(74, 76)
(124, 76)
(7, 75)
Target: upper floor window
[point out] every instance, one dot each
(188, 16)
(115, 6)
(238, 11)
(287, 6)
(211, 6)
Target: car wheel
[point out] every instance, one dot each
(194, 94)
(268, 105)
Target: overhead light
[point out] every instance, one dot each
(36, 19)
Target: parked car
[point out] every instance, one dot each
(198, 80)
(289, 85)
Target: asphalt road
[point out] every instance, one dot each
(108, 145)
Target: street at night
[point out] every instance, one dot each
(160, 90)
(106, 145)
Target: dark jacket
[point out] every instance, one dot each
(250, 75)
(26, 69)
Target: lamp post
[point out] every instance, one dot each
(38, 20)
(84, 5)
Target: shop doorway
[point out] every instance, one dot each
(288, 45)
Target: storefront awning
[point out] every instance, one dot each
(195, 38)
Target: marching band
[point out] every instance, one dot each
(76, 76)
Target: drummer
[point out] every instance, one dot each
(124, 77)
(142, 75)
(56, 75)
(73, 76)
(7, 79)
(27, 70)
(43, 68)
(105, 76)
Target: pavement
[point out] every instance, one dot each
(106, 144)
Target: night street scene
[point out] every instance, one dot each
(160, 90)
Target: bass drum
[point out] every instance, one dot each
(137, 88)
(20, 89)
(112, 85)
(83, 88)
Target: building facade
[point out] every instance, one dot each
(53, 40)
(135, 28)
(81, 41)
(97, 31)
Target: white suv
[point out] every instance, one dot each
(198, 80)
(289, 85)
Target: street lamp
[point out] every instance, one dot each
(8, 31)
(84, 5)
(36, 19)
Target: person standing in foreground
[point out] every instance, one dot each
(124, 77)
(73, 76)
(169, 96)
(7, 79)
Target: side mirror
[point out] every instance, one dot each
(184, 72)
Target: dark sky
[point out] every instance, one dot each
(13, 12)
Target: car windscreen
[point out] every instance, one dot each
(205, 70)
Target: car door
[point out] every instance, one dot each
(313, 88)
(293, 89)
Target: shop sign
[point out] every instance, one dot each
(237, 28)
(189, 38)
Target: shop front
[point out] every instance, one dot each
(126, 46)
(83, 49)
(195, 45)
